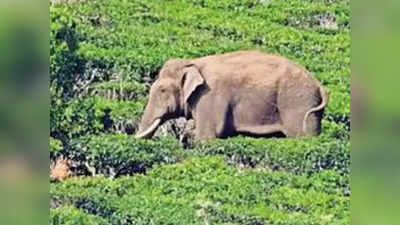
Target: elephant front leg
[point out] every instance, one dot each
(213, 121)
(205, 130)
(206, 125)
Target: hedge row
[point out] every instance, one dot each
(207, 191)
(120, 154)
(305, 156)
(119, 90)
(70, 215)
(115, 111)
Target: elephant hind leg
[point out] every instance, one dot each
(262, 130)
(295, 98)
(313, 123)
(293, 122)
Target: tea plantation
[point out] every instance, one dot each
(104, 54)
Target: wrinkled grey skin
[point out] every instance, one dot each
(244, 92)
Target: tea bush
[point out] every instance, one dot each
(123, 154)
(55, 148)
(294, 155)
(206, 189)
(118, 110)
(75, 118)
(73, 216)
(118, 90)
(120, 154)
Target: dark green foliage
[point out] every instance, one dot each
(55, 148)
(74, 118)
(103, 56)
(117, 111)
(122, 154)
(73, 216)
(119, 90)
(295, 155)
(115, 155)
(206, 189)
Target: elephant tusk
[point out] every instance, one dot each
(149, 130)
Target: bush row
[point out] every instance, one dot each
(73, 216)
(119, 90)
(300, 156)
(121, 154)
(206, 189)
(138, 47)
(118, 116)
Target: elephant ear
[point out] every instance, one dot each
(191, 80)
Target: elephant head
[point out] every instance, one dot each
(170, 94)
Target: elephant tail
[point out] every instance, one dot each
(324, 96)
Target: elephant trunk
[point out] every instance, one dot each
(148, 125)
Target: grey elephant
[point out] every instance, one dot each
(243, 92)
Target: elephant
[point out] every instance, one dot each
(246, 92)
